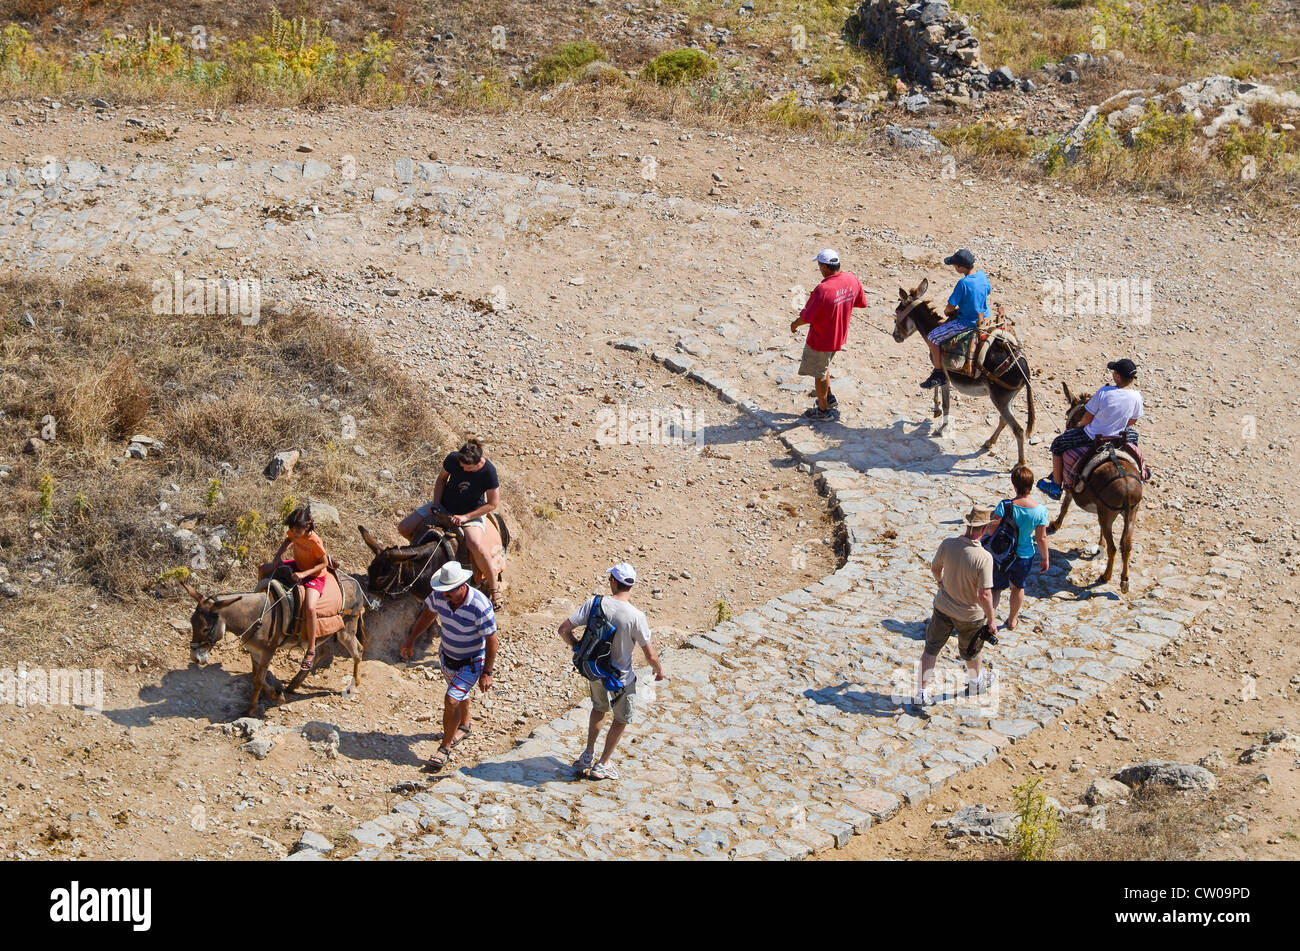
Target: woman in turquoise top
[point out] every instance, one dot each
(1031, 522)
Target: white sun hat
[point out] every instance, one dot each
(450, 577)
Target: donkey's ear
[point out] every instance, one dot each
(1068, 397)
(925, 286)
(370, 540)
(192, 591)
(224, 601)
(902, 294)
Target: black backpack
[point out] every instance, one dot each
(591, 656)
(1002, 543)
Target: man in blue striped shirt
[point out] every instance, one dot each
(469, 648)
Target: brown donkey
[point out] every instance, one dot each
(916, 315)
(253, 618)
(1114, 487)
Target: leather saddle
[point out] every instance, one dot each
(1099, 451)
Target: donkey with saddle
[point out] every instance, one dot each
(267, 620)
(983, 360)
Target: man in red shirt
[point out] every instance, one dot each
(827, 315)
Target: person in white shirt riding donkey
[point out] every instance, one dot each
(1112, 411)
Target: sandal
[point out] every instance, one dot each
(438, 760)
(307, 661)
(462, 733)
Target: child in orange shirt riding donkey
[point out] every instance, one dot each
(308, 564)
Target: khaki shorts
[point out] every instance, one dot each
(815, 363)
(624, 702)
(942, 627)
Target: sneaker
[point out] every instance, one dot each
(817, 414)
(603, 771)
(925, 698)
(583, 763)
(985, 682)
(832, 400)
(1050, 488)
(937, 378)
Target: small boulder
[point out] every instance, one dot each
(976, 821)
(1277, 740)
(33, 446)
(1002, 78)
(934, 12)
(322, 737)
(314, 842)
(322, 513)
(1106, 790)
(260, 747)
(902, 138)
(1163, 773)
(245, 726)
(281, 464)
(1212, 761)
(916, 103)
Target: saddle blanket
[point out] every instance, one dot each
(1074, 457)
(329, 607)
(964, 352)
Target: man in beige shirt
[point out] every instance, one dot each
(963, 603)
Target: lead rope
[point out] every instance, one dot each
(418, 574)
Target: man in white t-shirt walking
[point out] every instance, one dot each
(630, 627)
(1112, 411)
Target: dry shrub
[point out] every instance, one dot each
(238, 424)
(1156, 825)
(111, 402)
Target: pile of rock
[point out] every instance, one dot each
(1213, 103)
(931, 45)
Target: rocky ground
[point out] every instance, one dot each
(571, 241)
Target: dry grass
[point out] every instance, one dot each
(1157, 825)
(222, 397)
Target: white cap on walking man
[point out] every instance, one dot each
(623, 573)
(828, 256)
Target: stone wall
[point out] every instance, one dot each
(928, 42)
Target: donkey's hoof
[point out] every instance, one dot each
(1123, 586)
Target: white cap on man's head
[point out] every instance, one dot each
(623, 573)
(828, 256)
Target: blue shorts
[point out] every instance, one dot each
(460, 681)
(947, 330)
(1017, 574)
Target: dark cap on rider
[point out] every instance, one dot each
(962, 258)
(1125, 368)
